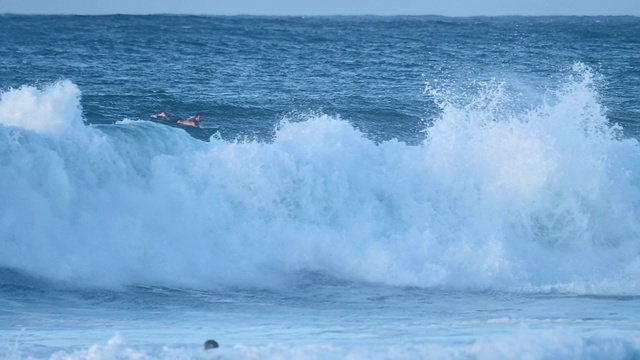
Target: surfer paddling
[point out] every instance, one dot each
(192, 121)
(163, 115)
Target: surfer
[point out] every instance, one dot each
(210, 344)
(163, 115)
(192, 121)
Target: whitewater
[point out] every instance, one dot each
(501, 224)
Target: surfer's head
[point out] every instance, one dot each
(210, 344)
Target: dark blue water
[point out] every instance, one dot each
(378, 187)
(249, 72)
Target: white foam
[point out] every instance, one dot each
(54, 108)
(524, 344)
(540, 199)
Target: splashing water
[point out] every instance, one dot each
(494, 198)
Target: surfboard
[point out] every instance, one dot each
(200, 133)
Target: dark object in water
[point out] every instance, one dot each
(211, 344)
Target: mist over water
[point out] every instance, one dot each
(493, 198)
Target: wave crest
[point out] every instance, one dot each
(54, 108)
(540, 198)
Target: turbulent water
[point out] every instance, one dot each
(377, 188)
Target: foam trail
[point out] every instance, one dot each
(495, 198)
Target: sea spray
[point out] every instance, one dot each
(54, 108)
(494, 198)
(546, 183)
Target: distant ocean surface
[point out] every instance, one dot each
(374, 188)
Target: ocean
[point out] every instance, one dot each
(360, 188)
